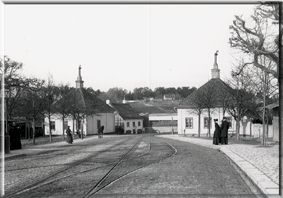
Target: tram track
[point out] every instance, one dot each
(41, 180)
(98, 186)
(115, 171)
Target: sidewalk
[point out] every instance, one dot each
(260, 164)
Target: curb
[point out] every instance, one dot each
(268, 187)
(14, 156)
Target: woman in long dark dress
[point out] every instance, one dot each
(216, 134)
(69, 135)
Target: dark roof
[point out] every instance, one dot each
(87, 102)
(126, 111)
(215, 87)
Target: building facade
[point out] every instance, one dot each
(190, 121)
(95, 113)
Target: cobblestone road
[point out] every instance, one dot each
(194, 170)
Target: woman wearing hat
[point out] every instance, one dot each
(216, 134)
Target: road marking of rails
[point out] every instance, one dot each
(172, 147)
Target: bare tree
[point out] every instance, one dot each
(266, 87)
(242, 99)
(15, 83)
(258, 36)
(205, 98)
(51, 93)
(62, 106)
(33, 103)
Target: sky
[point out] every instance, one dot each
(123, 46)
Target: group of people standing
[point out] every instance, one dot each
(220, 135)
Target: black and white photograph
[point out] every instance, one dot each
(141, 99)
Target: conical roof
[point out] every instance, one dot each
(82, 100)
(214, 91)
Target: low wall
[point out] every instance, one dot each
(164, 129)
(257, 130)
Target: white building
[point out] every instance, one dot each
(95, 113)
(188, 118)
(163, 122)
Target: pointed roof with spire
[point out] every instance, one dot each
(215, 86)
(82, 99)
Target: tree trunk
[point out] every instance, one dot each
(199, 124)
(263, 113)
(209, 118)
(29, 135)
(33, 130)
(82, 128)
(263, 127)
(237, 129)
(50, 133)
(63, 125)
(73, 126)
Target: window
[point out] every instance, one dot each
(189, 123)
(139, 123)
(134, 124)
(52, 125)
(206, 122)
(128, 124)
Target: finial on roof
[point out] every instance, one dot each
(215, 72)
(215, 59)
(79, 81)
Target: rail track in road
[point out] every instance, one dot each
(103, 183)
(44, 180)
(129, 162)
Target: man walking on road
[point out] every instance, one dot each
(224, 131)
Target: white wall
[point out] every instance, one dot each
(131, 127)
(257, 130)
(89, 124)
(106, 120)
(216, 113)
(58, 125)
(164, 129)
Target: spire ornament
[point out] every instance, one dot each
(215, 72)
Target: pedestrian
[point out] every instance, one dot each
(224, 131)
(217, 132)
(69, 135)
(101, 130)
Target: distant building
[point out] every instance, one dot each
(126, 119)
(163, 122)
(159, 116)
(169, 97)
(98, 114)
